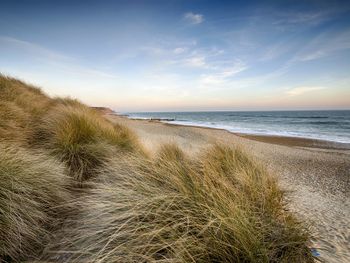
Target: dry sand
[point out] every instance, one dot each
(315, 174)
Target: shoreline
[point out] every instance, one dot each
(265, 138)
(296, 141)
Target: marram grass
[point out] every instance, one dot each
(32, 185)
(82, 138)
(221, 207)
(31, 99)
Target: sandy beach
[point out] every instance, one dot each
(315, 174)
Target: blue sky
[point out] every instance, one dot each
(182, 55)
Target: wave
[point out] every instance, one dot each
(299, 134)
(279, 116)
(315, 122)
(321, 126)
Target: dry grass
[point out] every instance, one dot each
(82, 138)
(218, 207)
(221, 207)
(31, 99)
(78, 135)
(31, 186)
(20, 106)
(13, 122)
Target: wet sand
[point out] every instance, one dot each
(295, 141)
(315, 174)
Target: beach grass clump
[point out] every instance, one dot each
(219, 207)
(32, 186)
(82, 138)
(30, 99)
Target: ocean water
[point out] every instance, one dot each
(324, 125)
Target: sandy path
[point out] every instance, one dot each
(317, 180)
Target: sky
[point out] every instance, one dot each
(182, 55)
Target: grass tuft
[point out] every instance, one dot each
(221, 207)
(30, 99)
(20, 106)
(82, 138)
(31, 186)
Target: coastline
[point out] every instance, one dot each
(315, 175)
(292, 141)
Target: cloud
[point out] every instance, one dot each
(32, 48)
(276, 50)
(305, 18)
(179, 50)
(238, 67)
(194, 19)
(196, 61)
(51, 58)
(324, 45)
(223, 76)
(297, 91)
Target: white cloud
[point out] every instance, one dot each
(194, 19)
(297, 91)
(239, 66)
(179, 50)
(196, 61)
(223, 76)
(211, 80)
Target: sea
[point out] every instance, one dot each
(325, 125)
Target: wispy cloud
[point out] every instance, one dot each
(276, 50)
(179, 50)
(33, 48)
(324, 45)
(193, 18)
(305, 18)
(223, 75)
(196, 61)
(297, 91)
(49, 57)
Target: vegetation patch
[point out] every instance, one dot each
(82, 138)
(32, 186)
(221, 207)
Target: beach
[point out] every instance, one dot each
(315, 174)
(175, 131)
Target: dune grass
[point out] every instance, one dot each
(31, 186)
(13, 122)
(19, 105)
(221, 207)
(82, 138)
(30, 99)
